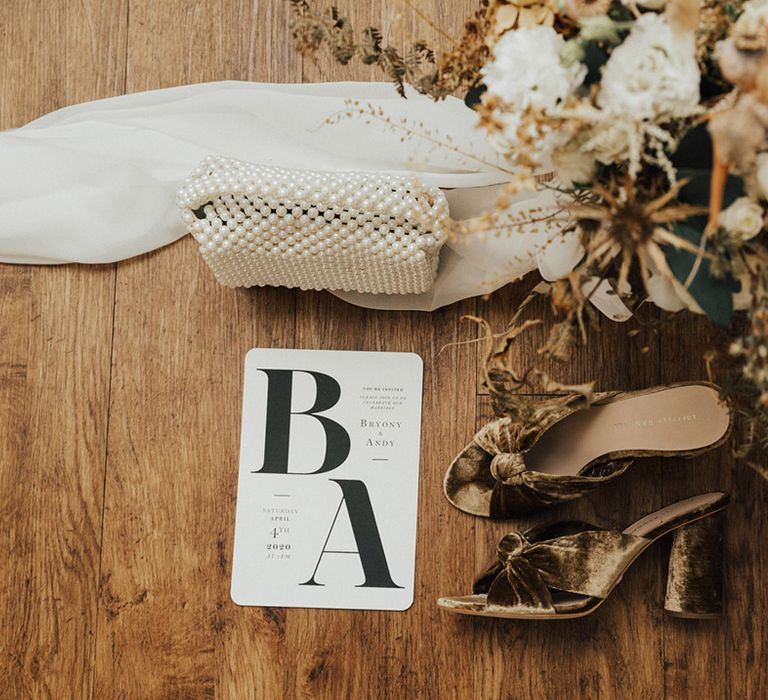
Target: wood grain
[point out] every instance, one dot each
(166, 625)
(120, 391)
(55, 344)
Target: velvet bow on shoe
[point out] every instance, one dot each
(490, 477)
(569, 556)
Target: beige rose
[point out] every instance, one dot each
(505, 15)
(744, 219)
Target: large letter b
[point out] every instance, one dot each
(278, 424)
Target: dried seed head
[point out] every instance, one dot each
(683, 15)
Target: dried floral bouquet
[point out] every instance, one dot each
(654, 116)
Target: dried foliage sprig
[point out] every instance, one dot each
(333, 31)
(513, 392)
(417, 66)
(419, 132)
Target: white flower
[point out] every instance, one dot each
(613, 140)
(667, 292)
(654, 74)
(560, 255)
(743, 219)
(526, 70)
(603, 296)
(663, 293)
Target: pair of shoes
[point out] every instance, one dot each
(568, 448)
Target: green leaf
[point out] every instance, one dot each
(713, 294)
(693, 161)
(695, 150)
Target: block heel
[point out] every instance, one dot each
(695, 578)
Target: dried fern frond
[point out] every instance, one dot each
(417, 66)
(331, 30)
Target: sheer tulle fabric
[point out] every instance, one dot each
(96, 182)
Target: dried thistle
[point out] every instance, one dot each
(625, 225)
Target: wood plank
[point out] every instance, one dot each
(167, 625)
(746, 599)
(398, 653)
(43, 70)
(403, 654)
(695, 651)
(54, 379)
(56, 336)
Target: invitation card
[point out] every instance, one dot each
(328, 484)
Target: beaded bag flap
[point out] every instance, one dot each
(367, 232)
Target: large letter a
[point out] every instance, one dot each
(369, 547)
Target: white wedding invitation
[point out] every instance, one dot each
(328, 484)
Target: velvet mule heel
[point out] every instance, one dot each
(695, 578)
(568, 447)
(567, 569)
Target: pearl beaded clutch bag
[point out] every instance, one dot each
(364, 232)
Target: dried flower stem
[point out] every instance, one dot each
(370, 112)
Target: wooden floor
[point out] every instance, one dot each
(120, 391)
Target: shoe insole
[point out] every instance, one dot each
(657, 523)
(671, 420)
